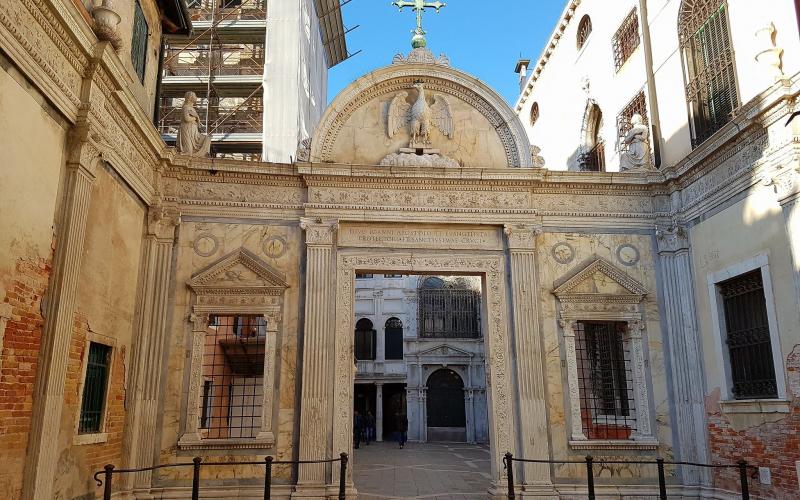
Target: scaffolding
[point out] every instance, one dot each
(223, 64)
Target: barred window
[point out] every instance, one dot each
(637, 106)
(365, 340)
(592, 157)
(448, 310)
(534, 113)
(361, 276)
(748, 339)
(705, 42)
(139, 41)
(233, 373)
(626, 39)
(94, 389)
(584, 30)
(605, 380)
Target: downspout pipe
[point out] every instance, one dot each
(652, 96)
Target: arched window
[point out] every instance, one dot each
(705, 42)
(446, 399)
(584, 30)
(534, 113)
(592, 157)
(365, 340)
(394, 339)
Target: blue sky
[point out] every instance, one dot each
(482, 37)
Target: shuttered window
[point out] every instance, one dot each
(94, 388)
(747, 337)
(711, 91)
(139, 41)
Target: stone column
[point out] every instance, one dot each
(423, 415)
(379, 411)
(199, 330)
(48, 397)
(640, 392)
(469, 402)
(683, 341)
(273, 320)
(787, 187)
(533, 431)
(316, 418)
(576, 424)
(380, 330)
(150, 339)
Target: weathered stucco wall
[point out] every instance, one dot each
(31, 170)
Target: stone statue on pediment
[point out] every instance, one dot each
(190, 141)
(636, 146)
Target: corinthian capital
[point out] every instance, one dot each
(672, 238)
(162, 220)
(319, 231)
(522, 236)
(787, 185)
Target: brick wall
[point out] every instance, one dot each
(18, 363)
(775, 444)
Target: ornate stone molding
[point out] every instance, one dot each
(319, 231)
(522, 236)
(787, 185)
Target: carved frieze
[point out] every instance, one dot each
(422, 236)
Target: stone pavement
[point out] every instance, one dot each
(440, 471)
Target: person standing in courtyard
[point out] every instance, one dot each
(358, 425)
(369, 422)
(401, 424)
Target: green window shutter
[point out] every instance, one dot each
(94, 388)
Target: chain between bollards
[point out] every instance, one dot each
(268, 478)
(107, 486)
(196, 478)
(343, 477)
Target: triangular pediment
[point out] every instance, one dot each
(445, 350)
(238, 269)
(600, 279)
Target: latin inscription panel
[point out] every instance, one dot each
(397, 236)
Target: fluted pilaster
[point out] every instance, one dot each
(684, 347)
(318, 352)
(48, 397)
(532, 434)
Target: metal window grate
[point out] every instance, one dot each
(94, 388)
(748, 338)
(449, 313)
(605, 380)
(593, 160)
(233, 370)
(365, 348)
(711, 91)
(584, 30)
(139, 41)
(626, 39)
(361, 276)
(637, 106)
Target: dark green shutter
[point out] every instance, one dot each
(94, 388)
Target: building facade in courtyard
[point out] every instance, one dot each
(419, 352)
(156, 307)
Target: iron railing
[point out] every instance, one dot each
(742, 466)
(109, 471)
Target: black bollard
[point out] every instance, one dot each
(743, 479)
(268, 478)
(107, 484)
(590, 476)
(196, 478)
(509, 461)
(343, 477)
(662, 480)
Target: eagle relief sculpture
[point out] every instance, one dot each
(419, 119)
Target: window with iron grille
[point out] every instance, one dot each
(360, 276)
(94, 389)
(365, 348)
(626, 39)
(705, 41)
(605, 380)
(584, 30)
(534, 113)
(748, 339)
(139, 41)
(233, 373)
(448, 312)
(393, 346)
(637, 106)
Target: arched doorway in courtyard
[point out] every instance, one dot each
(447, 417)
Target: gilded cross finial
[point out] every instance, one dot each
(419, 6)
